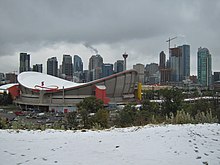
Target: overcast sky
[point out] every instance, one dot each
(46, 28)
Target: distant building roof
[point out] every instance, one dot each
(6, 86)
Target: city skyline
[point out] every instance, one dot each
(46, 29)
(72, 59)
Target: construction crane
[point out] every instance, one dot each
(170, 39)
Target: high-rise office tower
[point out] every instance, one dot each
(77, 64)
(152, 68)
(180, 63)
(95, 67)
(204, 70)
(52, 66)
(107, 70)
(38, 68)
(95, 61)
(67, 65)
(140, 69)
(162, 64)
(24, 62)
(176, 64)
(95, 74)
(119, 66)
(152, 73)
(186, 60)
(164, 68)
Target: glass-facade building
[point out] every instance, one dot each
(77, 64)
(52, 66)
(24, 62)
(95, 67)
(119, 66)
(67, 65)
(186, 60)
(107, 70)
(95, 61)
(38, 68)
(162, 64)
(204, 67)
(180, 63)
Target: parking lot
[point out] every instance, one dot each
(34, 117)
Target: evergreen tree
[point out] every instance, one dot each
(91, 104)
(71, 120)
(87, 106)
(127, 116)
(101, 117)
(173, 100)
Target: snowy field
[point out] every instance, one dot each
(153, 145)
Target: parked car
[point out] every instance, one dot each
(19, 113)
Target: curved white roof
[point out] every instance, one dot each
(41, 81)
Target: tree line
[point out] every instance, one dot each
(172, 109)
(91, 113)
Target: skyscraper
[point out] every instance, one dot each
(95, 61)
(140, 69)
(24, 62)
(67, 65)
(52, 66)
(176, 64)
(95, 66)
(186, 60)
(151, 73)
(164, 68)
(152, 68)
(107, 70)
(180, 63)
(38, 68)
(119, 66)
(77, 64)
(204, 69)
(162, 64)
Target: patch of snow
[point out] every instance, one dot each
(152, 144)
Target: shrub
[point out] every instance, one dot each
(3, 123)
(183, 117)
(202, 117)
(101, 118)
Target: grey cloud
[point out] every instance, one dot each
(30, 25)
(75, 21)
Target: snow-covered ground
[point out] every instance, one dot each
(153, 145)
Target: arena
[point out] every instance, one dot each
(38, 90)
